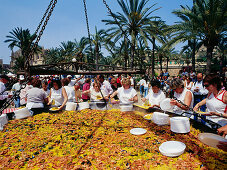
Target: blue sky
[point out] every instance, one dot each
(68, 20)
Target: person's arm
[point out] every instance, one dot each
(198, 105)
(134, 99)
(113, 94)
(49, 98)
(65, 98)
(187, 101)
(86, 92)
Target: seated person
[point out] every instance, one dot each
(155, 95)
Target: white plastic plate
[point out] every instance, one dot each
(138, 131)
(172, 148)
(211, 139)
(165, 105)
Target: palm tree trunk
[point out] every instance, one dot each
(97, 57)
(167, 63)
(193, 54)
(160, 60)
(132, 55)
(209, 57)
(153, 73)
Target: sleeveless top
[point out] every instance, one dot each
(181, 97)
(70, 93)
(188, 85)
(216, 104)
(57, 96)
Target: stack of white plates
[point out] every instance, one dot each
(3, 121)
(172, 148)
(160, 118)
(83, 105)
(180, 124)
(22, 113)
(70, 106)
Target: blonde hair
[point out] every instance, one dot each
(126, 81)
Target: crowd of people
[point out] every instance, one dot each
(188, 91)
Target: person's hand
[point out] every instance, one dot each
(143, 99)
(222, 131)
(49, 103)
(60, 108)
(173, 102)
(196, 108)
(132, 99)
(111, 96)
(155, 105)
(222, 146)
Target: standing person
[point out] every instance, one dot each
(58, 96)
(131, 79)
(166, 73)
(126, 94)
(35, 96)
(155, 95)
(184, 73)
(105, 85)
(70, 90)
(199, 91)
(146, 86)
(119, 80)
(141, 84)
(78, 97)
(3, 97)
(192, 75)
(216, 100)
(86, 87)
(45, 87)
(16, 87)
(23, 92)
(114, 86)
(181, 93)
(71, 82)
(188, 83)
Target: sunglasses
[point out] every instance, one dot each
(206, 85)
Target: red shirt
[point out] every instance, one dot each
(86, 86)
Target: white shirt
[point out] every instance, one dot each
(96, 95)
(125, 94)
(70, 91)
(155, 98)
(2, 88)
(57, 96)
(146, 84)
(106, 87)
(132, 81)
(72, 83)
(199, 85)
(16, 87)
(181, 97)
(141, 82)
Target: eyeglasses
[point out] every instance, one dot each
(206, 85)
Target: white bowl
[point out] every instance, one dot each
(83, 105)
(172, 148)
(160, 118)
(70, 106)
(138, 131)
(180, 124)
(22, 113)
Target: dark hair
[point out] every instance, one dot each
(45, 82)
(214, 80)
(36, 83)
(88, 80)
(101, 76)
(189, 78)
(156, 83)
(58, 82)
(65, 81)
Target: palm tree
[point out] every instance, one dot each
(67, 50)
(81, 47)
(22, 39)
(98, 41)
(53, 55)
(209, 18)
(134, 18)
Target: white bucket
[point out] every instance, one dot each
(70, 106)
(22, 113)
(83, 105)
(3, 121)
(160, 118)
(180, 124)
